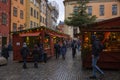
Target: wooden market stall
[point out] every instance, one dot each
(36, 35)
(108, 32)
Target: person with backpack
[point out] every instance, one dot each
(24, 53)
(96, 50)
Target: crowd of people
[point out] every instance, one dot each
(38, 53)
(61, 47)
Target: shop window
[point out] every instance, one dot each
(110, 40)
(47, 41)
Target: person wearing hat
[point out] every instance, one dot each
(24, 53)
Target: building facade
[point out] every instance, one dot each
(103, 9)
(43, 12)
(32, 14)
(18, 15)
(53, 14)
(4, 22)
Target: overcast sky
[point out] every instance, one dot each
(61, 9)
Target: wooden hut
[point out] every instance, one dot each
(108, 32)
(31, 36)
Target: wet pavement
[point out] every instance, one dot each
(68, 69)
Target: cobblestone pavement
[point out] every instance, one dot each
(60, 69)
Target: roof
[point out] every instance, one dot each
(112, 24)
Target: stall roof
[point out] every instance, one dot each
(29, 34)
(112, 24)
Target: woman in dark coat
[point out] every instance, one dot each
(24, 53)
(5, 52)
(36, 54)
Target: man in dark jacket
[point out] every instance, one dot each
(74, 46)
(24, 54)
(5, 52)
(36, 54)
(57, 49)
(95, 56)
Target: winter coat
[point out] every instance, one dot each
(36, 53)
(24, 52)
(96, 46)
(5, 52)
(63, 49)
(57, 47)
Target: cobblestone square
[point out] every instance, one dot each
(68, 69)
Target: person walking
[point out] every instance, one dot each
(10, 51)
(24, 53)
(36, 54)
(74, 46)
(96, 49)
(57, 50)
(63, 50)
(5, 52)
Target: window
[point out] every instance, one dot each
(14, 27)
(22, 1)
(21, 14)
(21, 27)
(4, 1)
(101, 10)
(14, 11)
(75, 9)
(90, 10)
(31, 11)
(31, 24)
(114, 9)
(35, 13)
(40, 18)
(4, 18)
(34, 24)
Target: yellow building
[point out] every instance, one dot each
(32, 14)
(43, 10)
(18, 14)
(103, 9)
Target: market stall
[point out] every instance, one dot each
(108, 32)
(32, 36)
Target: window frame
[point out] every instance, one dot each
(102, 10)
(15, 11)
